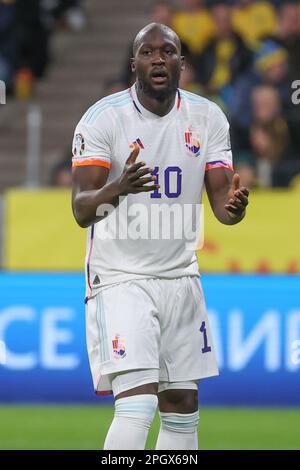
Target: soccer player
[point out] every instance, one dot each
(150, 147)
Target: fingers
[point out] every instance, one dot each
(236, 204)
(135, 174)
(142, 181)
(137, 179)
(240, 197)
(233, 211)
(245, 191)
(133, 155)
(134, 167)
(239, 201)
(142, 172)
(146, 189)
(235, 183)
(140, 184)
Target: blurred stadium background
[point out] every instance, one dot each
(56, 58)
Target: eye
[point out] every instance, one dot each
(169, 51)
(146, 52)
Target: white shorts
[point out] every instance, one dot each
(150, 324)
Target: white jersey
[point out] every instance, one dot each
(147, 235)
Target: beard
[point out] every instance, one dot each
(145, 86)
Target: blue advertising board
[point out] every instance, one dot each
(255, 323)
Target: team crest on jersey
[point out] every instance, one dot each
(118, 347)
(137, 143)
(192, 142)
(78, 145)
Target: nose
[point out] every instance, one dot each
(158, 59)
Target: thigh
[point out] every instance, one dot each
(187, 352)
(135, 382)
(122, 331)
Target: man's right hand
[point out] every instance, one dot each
(91, 190)
(133, 178)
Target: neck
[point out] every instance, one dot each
(159, 106)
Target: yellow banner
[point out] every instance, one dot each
(40, 231)
(267, 240)
(41, 234)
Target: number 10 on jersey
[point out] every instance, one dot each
(171, 173)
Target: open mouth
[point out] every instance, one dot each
(159, 76)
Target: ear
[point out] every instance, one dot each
(132, 64)
(182, 64)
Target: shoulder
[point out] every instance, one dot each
(193, 99)
(200, 103)
(216, 119)
(106, 107)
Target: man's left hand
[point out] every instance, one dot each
(237, 199)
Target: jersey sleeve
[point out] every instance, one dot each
(219, 154)
(92, 145)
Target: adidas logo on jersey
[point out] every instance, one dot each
(96, 280)
(138, 143)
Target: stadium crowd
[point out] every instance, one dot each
(244, 55)
(26, 28)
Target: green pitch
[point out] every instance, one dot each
(85, 427)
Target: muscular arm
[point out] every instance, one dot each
(90, 189)
(227, 199)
